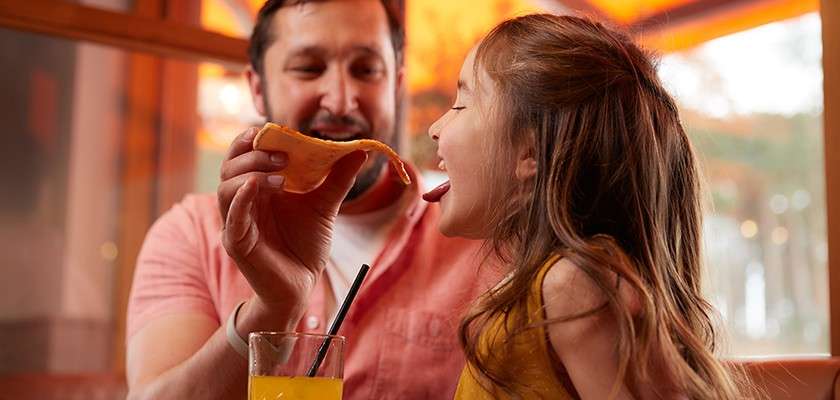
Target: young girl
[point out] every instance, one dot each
(566, 154)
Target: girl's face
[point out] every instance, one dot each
(463, 136)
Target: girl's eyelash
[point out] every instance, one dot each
(458, 108)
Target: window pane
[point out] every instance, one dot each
(230, 17)
(77, 204)
(752, 103)
(61, 118)
(225, 110)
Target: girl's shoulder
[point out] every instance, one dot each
(568, 290)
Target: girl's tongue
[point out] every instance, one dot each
(434, 195)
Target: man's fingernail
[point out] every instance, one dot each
(278, 158)
(276, 180)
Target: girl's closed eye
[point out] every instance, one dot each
(458, 108)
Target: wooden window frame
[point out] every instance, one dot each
(143, 32)
(830, 14)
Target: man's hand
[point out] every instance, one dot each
(279, 240)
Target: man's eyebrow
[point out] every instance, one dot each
(367, 50)
(315, 51)
(321, 52)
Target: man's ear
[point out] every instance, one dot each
(400, 77)
(255, 83)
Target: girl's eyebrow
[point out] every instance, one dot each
(462, 86)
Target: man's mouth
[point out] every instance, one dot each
(340, 132)
(337, 135)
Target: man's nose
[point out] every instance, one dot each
(339, 92)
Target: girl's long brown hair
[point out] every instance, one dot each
(616, 192)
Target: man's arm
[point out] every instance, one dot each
(176, 347)
(182, 356)
(163, 345)
(185, 354)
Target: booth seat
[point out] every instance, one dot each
(803, 378)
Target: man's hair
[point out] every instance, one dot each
(262, 38)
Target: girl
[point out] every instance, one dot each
(566, 154)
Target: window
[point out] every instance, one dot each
(98, 142)
(752, 104)
(63, 118)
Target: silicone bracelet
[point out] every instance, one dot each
(233, 338)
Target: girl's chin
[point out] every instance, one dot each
(444, 225)
(447, 225)
(453, 228)
(446, 232)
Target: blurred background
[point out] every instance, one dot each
(105, 127)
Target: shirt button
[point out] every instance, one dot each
(312, 322)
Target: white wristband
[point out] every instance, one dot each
(233, 338)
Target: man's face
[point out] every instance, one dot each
(331, 73)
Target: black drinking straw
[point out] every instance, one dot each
(339, 318)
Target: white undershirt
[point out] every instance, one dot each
(357, 239)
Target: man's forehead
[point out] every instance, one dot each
(318, 49)
(329, 25)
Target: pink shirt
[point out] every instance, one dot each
(401, 331)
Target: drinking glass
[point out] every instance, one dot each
(280, 365)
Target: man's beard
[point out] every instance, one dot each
(366, 177)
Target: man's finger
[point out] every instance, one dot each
(251, 161)
(228, 188)
(243, 143)
(239, 223)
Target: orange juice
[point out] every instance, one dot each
(293, 388)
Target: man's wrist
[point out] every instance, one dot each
(255, 316)
(233, 337)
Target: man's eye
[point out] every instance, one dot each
(308, 69)
(366, 71)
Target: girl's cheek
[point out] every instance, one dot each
(445, 146)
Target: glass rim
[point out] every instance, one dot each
(295, 334)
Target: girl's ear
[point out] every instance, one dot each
(526, 168)
(526, 165)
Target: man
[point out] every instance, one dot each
(330, 69)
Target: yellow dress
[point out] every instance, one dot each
(527, 357)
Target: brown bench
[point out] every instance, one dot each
(63, 387)
(789, 378)
(796, 378)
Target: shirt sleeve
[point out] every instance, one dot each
(170, 277)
